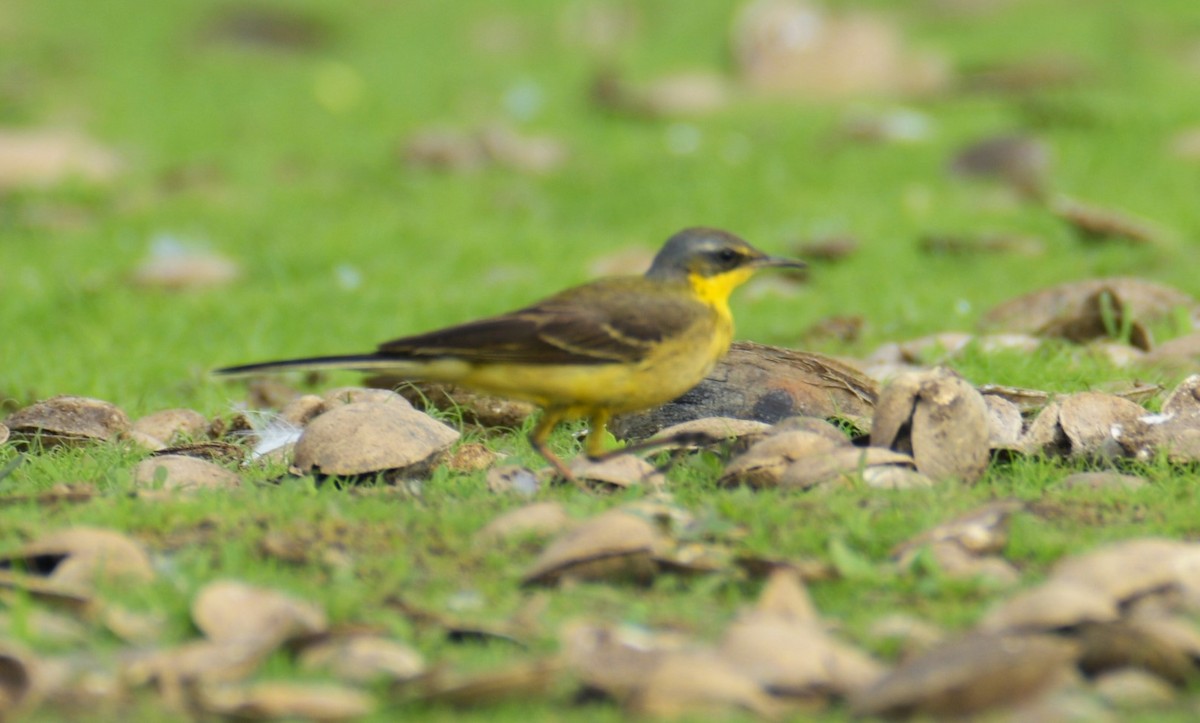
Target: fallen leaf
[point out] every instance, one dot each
(80, 557)
(612, 546)
(763, 464)
(617, 472)
(232, 611)
(68, 420)
(795, 48)
(1021, 161)
(682, 95)
(1055, 605)
(519, 681)
(941, 418)
(969, 675)
(172, 425)
(982, 531)
(843, 463)
(1094, 223)
(1126, 569)
(794, 659)
(367, 437)
(1132, 689)
(1102, 481)
(362, 658)
(268, 28)
(1144, 301)
(539, 519)
(183, 474)
(697, 683)
(37, 158)
(279, 700)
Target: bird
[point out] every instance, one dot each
(608, 347)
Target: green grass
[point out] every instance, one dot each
(296, 191)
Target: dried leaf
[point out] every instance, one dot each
(841, 463)
(520, 681)
(614, 660)
(1123, 570)
(1055, 605)
(947, 429)
(839, 55)
(44, 157)
(16, 679)
(691, 683)
(273, 701)
(619, 471)
(982, 244)
(764, 463)
(1004, 422)
(970, 675)
(1021, 161)
(232, 611)
(202, 660)
(539, 519)
(268, 28)
(368, 437)
(895, 477)
(785, 597)
(1102, 481)
(1026, 400)
(740, 431)
(796, 659)
(1089, 418)
(172, 425)
(913, 634)
(1045, 435)
(982, 531)
(363, 658)
(1099, 224)
(68, 420)
(183, 474)
(1133, 689)
(1184, 400)
(613, 545)
(1144, 301)
(79, 557)
(681, 95)
(531, 154)
(1126, 644)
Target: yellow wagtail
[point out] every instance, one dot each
(607, 347)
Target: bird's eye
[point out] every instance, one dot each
(727, 255)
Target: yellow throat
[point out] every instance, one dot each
(715, 290)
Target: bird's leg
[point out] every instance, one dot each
(593, 446)
(538, 440)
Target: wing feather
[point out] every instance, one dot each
(607, 321)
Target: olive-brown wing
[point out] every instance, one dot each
(608, 321)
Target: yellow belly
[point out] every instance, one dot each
(672, 369)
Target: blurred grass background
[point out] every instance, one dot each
(285, 156)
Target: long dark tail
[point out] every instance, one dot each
(352, 362)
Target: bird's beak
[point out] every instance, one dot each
(778, 262)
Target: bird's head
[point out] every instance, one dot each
(712, 261)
